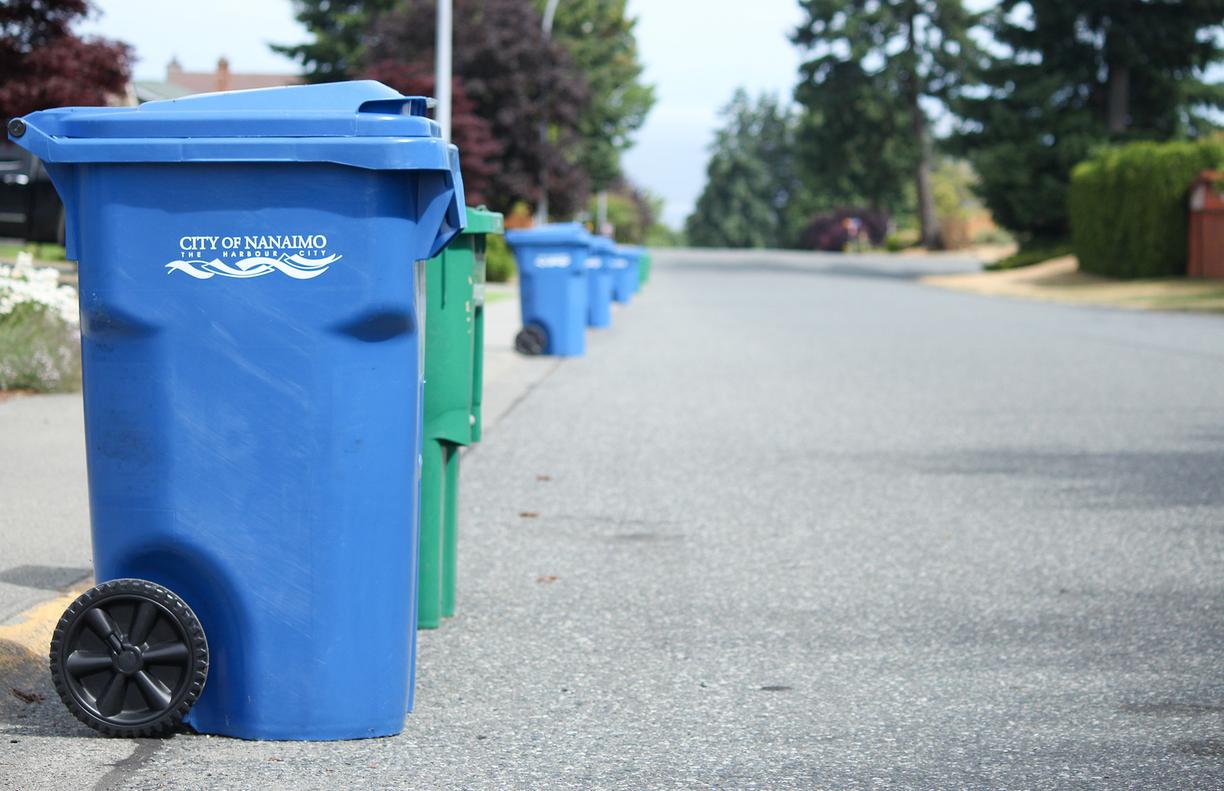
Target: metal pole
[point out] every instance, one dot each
(442, 66)
(550, 12)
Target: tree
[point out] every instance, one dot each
(853, 144)
(1070, 77)
(916, 50)
(750, 179)
(516, 79)
(599, 37)
(44, 64)
(340, 36)
(471, 133)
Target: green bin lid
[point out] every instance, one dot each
(482, 221)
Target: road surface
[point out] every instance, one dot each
(793, 522)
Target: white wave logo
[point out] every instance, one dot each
(295, 266)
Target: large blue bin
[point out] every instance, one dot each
(250, 338)
(599, 282)
(553, 285)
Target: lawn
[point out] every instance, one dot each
(1060, 280)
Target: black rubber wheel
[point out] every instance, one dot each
(129, 658)
(531, 340)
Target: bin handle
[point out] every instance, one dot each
(415, 105)
(454, 218)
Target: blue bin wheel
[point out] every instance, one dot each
(531, 340)
(129, 658)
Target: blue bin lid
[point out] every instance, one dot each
(632, 251)
(603, 245)
(362, 123)
(566, 233)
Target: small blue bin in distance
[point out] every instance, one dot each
(634, 276)
(622, 276)
(250, 323)
(553, 283)
(599, 282)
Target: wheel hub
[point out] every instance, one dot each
(128, 661)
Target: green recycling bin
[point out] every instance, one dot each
(454, 352)
(644, 267)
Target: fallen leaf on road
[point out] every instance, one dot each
(547, 579)
(543, 477)
(529, 514)
(28, 697)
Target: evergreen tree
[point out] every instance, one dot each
(750, 179)
(340, 36)
(1072, 76)
(909, 52)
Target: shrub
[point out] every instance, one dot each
(831, 231)
(1128, 207)
(499, 261)
(39, 349)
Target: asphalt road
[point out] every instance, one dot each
(801, 522)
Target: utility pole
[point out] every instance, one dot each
(443, 65)
(550, 11)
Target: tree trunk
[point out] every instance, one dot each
(1119, 99)
(927, 222)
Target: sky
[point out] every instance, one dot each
(696, 52)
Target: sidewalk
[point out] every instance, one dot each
(44, 521)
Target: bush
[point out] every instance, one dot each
(499, 261)
(39, 349)
(1128, 207)
(831, 231)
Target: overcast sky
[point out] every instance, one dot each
(696, 52)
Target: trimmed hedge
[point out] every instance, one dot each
(1128, 206)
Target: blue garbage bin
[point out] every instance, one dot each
(599, 282)
(552, 288)
(622, 275)
(633, 273)
(250, 338)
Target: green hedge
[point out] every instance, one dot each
(1128, 207)
(499, 261)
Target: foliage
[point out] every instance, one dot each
(1030, 256)
(599, 37)
(854, 144)
(44, 64)
(875, 62)
(499, 261)
(1067, 77)
(516, 79)
(38, 337)
(660, 235)
(843, 228)
(632, 212)
(750, 179)
(338, 47)
(1129, 210)
(478, 148)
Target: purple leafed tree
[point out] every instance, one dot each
(44, 64)
(479, 149)
(517, 80)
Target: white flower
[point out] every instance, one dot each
(20, 285)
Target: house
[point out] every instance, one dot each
(184, 83)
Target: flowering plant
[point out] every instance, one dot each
(39, 348)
